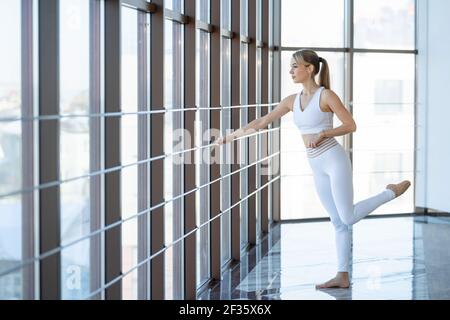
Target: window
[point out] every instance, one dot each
(386, 91)
(383, 109)
(384, 24)
(317, 23)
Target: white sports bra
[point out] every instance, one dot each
(312, 119)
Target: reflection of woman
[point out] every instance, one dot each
(313, 110)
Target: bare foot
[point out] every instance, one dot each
(399, 188)
(340, 281)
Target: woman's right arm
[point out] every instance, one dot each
(280, 110)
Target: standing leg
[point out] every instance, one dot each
(342, 231)
(341, 179)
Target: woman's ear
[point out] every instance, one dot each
(310, 69)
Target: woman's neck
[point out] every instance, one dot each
(309, 88)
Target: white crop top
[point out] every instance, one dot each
(312, 119)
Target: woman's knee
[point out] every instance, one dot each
(339, 225)
(348, 220)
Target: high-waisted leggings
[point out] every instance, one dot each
(334, 184)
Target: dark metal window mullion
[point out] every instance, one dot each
(276, 94)
(143, 172)
(190, 243)
(113, 237)
(49, 198)
(148, 135)
(157, 149)
(235, 124)
(215, 116)
(264, 110)
(252, 156)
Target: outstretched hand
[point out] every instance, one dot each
(222, 140)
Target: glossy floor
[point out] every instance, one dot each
(393, 258)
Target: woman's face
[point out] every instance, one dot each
(299, 72)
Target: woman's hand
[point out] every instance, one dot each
(222, 140)
(316, 140)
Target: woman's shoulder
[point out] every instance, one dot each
(328, 93)
(289, 101)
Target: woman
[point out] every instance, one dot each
(313, 110)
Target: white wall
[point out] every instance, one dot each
(433, 115)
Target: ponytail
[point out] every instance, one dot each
(324, 76)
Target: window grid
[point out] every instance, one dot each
(104, 178)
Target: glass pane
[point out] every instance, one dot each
(225, 167)
(203, 10)
(10, 149)
(384, 113)
(258, 144)
(244, 145)
(202, 138)
(226, 14)
(384, 24)
(299, 199)
(244, 17)
(175, 5)
(129, 146)
(173, 165)
(74, 146)
(259, 18)
(317, 23)
(129, 283)
(75, 263)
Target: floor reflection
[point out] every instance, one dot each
(393, 258)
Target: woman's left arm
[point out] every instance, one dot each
(348, 123)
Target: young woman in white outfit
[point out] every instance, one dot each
(313, 110)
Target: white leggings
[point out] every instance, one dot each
(334, 184)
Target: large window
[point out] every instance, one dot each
(379, 93)
(92, 144)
